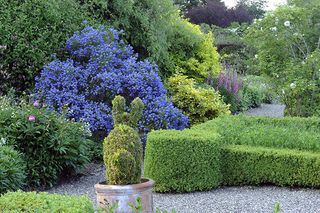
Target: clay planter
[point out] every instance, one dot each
(125, 194)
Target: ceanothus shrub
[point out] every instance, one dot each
(97, 66)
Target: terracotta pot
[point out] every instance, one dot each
(107, 195)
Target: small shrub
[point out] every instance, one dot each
(49, 142)
(99, 67)
(29, 202)
(200, 104)
(183, 161)
(258, 165)
(12, 169)
(122, 148)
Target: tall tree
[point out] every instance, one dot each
(186, 5)
(256, 8)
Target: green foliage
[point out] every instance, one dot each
(157, 31)
(256, 8)
(185, 5)
(122, 147)
(258, 165)
(31, 31)
(12, 169)
(256, 90)
(200, 104)
(303, 3)
(30, 202)
(49, 143)
(183, 161)
(287, 42)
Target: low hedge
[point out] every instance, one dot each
(236, 150)
(183, 161)
(290, 133)
(30, 202)
(12, 170)
(245, 165)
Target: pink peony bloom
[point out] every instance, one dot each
(32, 118)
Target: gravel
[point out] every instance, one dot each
(223, 200)
(270, 110)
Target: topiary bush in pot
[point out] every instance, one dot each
(123, 158)
(122, 147)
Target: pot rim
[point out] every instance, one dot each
(146, 183)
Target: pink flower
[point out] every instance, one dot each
(32, 118)
(36, 104)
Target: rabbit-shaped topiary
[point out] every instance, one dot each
(122, 148)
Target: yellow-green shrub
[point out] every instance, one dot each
(31, 202)
(200, 104)
(193, 52)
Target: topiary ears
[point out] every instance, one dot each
(119, 114)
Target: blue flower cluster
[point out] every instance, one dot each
(99, 67)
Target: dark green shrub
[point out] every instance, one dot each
(30, 202)
(122, 148)
(183, 161)
(259, 165)
(50, 143)
(31, 31)
(12, 169)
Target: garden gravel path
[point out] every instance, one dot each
(270, 110)
(223, 200)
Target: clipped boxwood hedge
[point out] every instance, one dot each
(29, 202)
(290, 133)
(247, 150)
(183, 161)
(259, 165)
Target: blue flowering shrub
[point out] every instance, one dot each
(97, 66)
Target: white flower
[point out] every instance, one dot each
(283, 92)
(287, 23)
(293, 85)
(256, 56)
(273, 29)
(254, 21)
